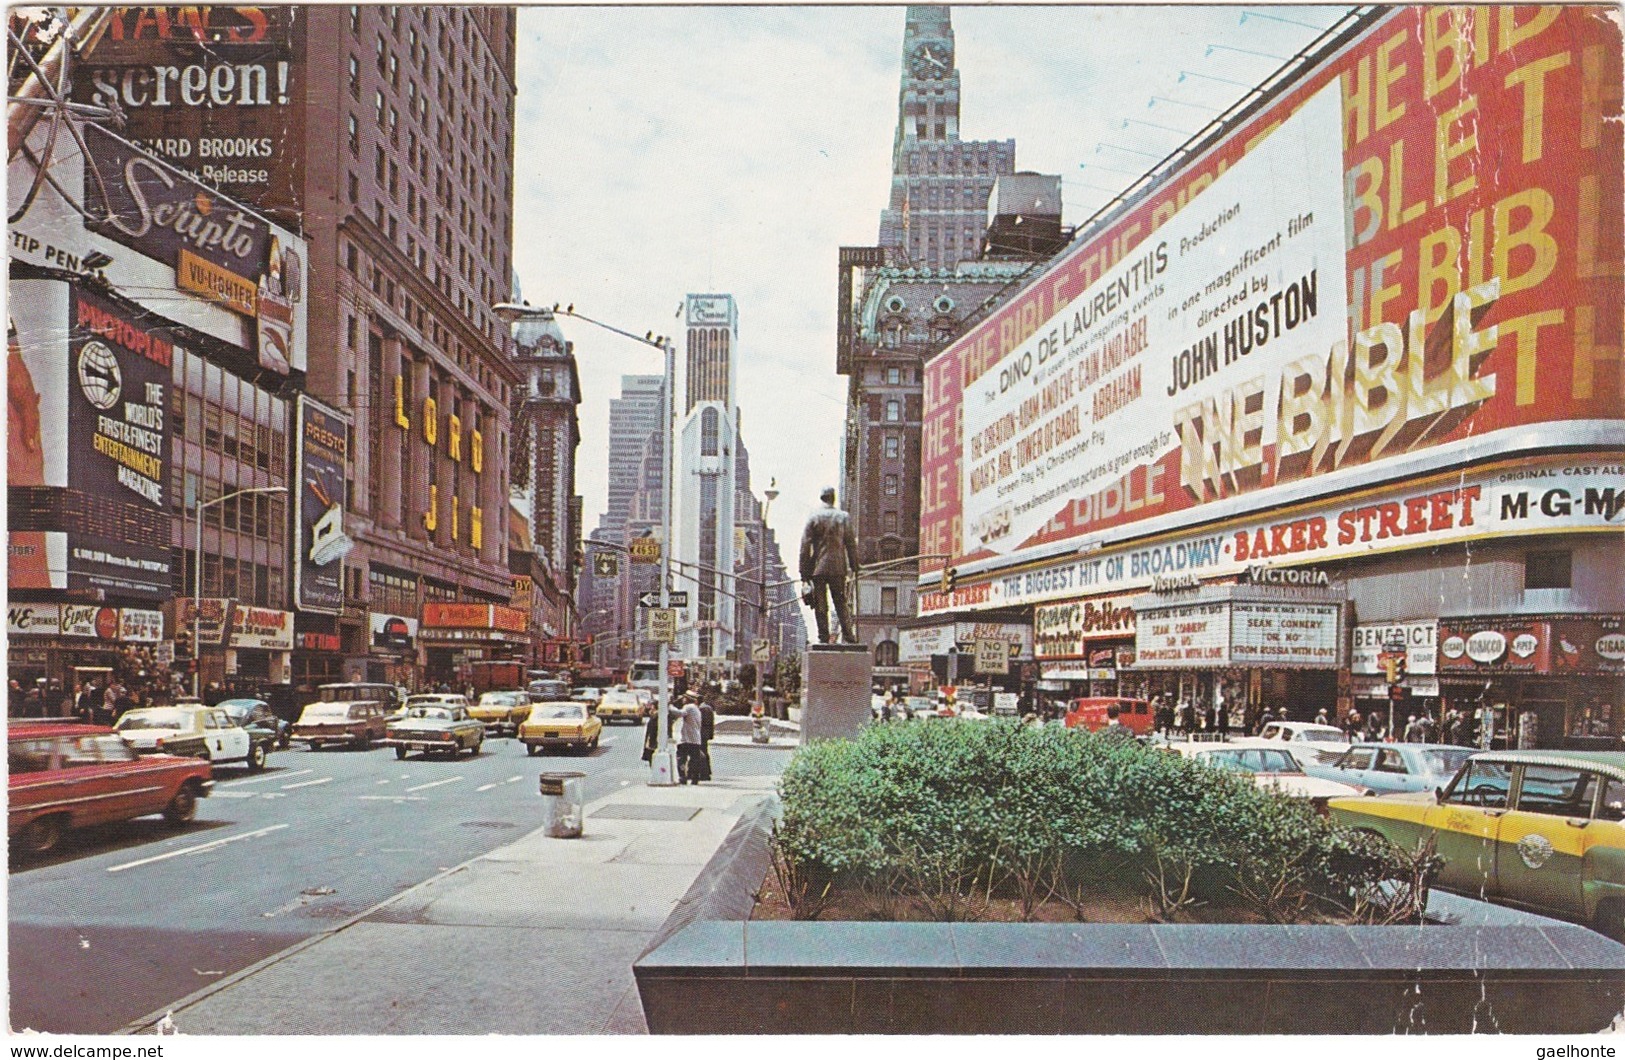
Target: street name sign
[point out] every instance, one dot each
(652, 599)
(644, 550)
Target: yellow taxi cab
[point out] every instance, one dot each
(560, 723)
(1543, 830)
(621, 704)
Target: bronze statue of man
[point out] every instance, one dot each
(829, 555)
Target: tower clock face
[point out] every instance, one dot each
(930, 61)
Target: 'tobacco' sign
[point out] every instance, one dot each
(1164, 372)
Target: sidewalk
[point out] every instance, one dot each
(537, 937)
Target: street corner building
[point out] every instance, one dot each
(260, 403)
(1326, 413)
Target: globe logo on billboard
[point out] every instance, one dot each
(99, 376)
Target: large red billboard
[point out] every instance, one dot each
(1407, 260)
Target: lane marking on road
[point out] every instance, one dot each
(394, 798)
(435, 783)
(234, 794)
(384, 781)
(274, 795)
(261, 780)
(498, 783)
(307, 783)
(197, 849)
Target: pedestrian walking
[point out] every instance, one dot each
(1184, 717)
(1413, 730)
(1321, 718)
(1266, 719)
(1354, 724)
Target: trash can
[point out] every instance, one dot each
(561, 804)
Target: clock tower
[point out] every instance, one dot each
(937, 211)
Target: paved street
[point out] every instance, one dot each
(127, 919)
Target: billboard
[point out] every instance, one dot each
(1342, 289)
(87, 444)
(1562, 494)
(158, 230)
(321, 456)
(214, 91)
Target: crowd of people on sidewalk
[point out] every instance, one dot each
(104, 701)
(691, 724)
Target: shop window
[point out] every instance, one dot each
(1549, 570)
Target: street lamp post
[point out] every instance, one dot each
(197, 575)
(769, 495)
(663, 768)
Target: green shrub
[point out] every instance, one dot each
(952, 814)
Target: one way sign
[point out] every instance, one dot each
(652, 599)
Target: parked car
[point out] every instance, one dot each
(561, 723)
(356, 724)
(1274, 768)
(68, 775)
(196, 731)
(435, 729)
(1390, 767)
(1090, 713)
(257, 714)
(501, 712)
(620, 704)
(1325, 742)
(1543, 830)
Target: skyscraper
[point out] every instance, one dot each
(703, 494)
(609, 602)
(940, 183)
(900, 302)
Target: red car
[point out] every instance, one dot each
(1091, 714)
(65, 775)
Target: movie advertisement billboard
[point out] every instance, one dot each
(321, 457)
(1207, 352)
(214, 91)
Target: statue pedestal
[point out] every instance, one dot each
(836, 678)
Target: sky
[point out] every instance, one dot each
(662, 151)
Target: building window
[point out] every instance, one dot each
(1549, 570)
(891, 485)
(894, 411)
(894, 446)
(894, 376)
(355, 189)
(888, 601)
(710, 430)
(355, 78)
(888, 523)
(355, 20)
(886, 650)
(355, 137)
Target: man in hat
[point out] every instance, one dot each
(689, 723)
(829, 555)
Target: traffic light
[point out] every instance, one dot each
(1389, 669)
(1398, 675)
(950, 578)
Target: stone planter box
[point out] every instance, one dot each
(1491, 970)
